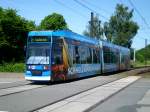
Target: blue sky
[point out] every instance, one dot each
(77, 16)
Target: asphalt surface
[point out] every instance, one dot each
(8, 84)
(126, 100)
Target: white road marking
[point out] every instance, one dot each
(18, 89)
(86, 100)
(6, 80)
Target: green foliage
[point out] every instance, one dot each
(143, 53)
(121, 29)
(13, 34)
(11, 67)
(97, 28)
(53, 22)
(139, 64)
(139, 57)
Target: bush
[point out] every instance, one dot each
(139, 57)
(12, 67)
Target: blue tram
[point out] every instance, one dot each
(63, 55)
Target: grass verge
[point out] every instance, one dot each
(140, 64)
(12, 67)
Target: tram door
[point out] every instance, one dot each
(57, 66)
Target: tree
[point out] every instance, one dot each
(97, 29)
(121, 29)
(13, 34)
(53, 22)
(142, 53)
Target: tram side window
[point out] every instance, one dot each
(83, 55)
(89, 56)
(123, 58)
(113, 54)
(96, 58)
(57, 51)
(117, 56)
(107, 57)
(110, 54)
(76, 56)
(57, 54)
(70, 52)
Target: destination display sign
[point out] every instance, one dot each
(39, 39)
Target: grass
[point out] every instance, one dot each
(140, 64)
(12, 67)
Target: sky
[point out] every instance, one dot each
(77, 16)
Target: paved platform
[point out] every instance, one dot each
(8, 80)
(11, 75)
(89, 99)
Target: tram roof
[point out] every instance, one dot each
(106, 43)
(66, 34)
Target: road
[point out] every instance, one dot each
(18, 95)
(129, 99)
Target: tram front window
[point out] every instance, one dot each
(38, 54)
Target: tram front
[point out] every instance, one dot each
(38, 54)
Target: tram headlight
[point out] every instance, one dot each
(29, 67)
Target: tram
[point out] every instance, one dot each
(62, 55)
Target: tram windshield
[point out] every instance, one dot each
(38, 54)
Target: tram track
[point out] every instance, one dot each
(14, 84)
(19, 89)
